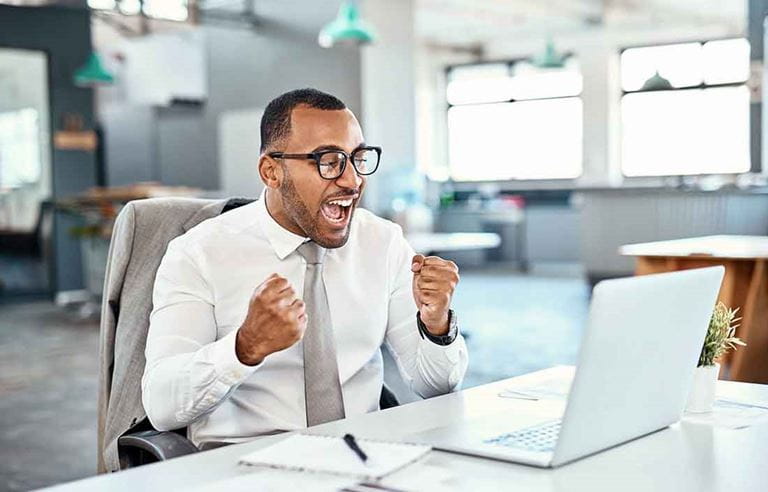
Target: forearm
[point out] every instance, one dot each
(178, 389)
(432, 357)
(428, 369)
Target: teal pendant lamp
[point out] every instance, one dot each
(346, 28)
(549, 58)
(93, 73)
(656, 83)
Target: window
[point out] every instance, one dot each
(514, 121)
(19, 148)
(685, 109)
(176, 10)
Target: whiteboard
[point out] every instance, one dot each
(239, 143)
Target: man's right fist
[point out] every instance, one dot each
(275, 321)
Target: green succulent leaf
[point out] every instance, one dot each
(721, 335)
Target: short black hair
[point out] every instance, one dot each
(276, 121)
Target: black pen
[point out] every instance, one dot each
(349, 440)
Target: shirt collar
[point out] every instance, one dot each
(283, 241)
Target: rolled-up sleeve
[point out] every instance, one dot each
(428, 368)
(188, 372)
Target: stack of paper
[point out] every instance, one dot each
(730, 414)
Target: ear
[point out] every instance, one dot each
(270, 171)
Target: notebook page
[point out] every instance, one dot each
(331, 455)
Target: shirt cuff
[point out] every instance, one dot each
(453, 353)
(229, 369)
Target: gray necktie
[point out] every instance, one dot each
(322, 389)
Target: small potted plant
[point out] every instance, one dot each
(720, 339)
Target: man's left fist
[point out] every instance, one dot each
(434, 280)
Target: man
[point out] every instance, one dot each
(270, 317)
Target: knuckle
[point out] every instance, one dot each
(280, 282)
(270, 280)
(258, 291)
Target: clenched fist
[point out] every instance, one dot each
(434, 280)
(275, 321)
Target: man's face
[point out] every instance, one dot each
(321, 208)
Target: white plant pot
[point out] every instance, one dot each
(702, 396)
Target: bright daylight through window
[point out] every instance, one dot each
(514, 121)
(685, 109)
(175, 10)
(19, 149)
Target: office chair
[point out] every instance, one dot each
(30, 243)
(140, 237)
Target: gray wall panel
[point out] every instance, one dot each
(65, 35)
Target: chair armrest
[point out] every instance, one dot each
(387, 399)
(145, 447)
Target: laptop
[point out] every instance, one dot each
(634, 371)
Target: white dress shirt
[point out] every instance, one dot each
(193, 377)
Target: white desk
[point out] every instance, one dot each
(685, 457)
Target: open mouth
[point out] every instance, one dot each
(337, 211)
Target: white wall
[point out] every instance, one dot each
(388, 98)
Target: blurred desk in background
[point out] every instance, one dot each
(508, 223)
(745, 286)
(429, 243)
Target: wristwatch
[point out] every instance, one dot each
(448, 338)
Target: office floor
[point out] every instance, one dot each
(48, 360)
(516, 324)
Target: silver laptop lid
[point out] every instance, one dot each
(637, 358)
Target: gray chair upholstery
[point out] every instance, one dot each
(140, 237)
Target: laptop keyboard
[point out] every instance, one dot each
(541, 437)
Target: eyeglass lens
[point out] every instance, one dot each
(332, 163)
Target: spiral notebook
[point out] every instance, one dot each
(325, 454)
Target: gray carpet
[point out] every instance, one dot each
(48, 361)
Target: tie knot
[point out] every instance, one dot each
(312, 252)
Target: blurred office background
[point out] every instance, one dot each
(528, 140)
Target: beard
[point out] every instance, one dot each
(297, 210)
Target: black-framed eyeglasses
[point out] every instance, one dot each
(331, 163)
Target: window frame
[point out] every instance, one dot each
(513, 184)
(702, 86)
(142, 13)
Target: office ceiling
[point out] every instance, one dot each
(476, 22)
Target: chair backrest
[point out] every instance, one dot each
(140, 238)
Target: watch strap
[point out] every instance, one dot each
(448, 338)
